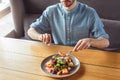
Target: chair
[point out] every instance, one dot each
(25, 12)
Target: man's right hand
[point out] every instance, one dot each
(45, 38)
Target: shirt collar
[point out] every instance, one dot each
(71, 11)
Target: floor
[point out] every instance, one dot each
(6, 25)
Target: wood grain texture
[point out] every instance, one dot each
(20, 60)
(7, 74)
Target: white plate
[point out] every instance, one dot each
(76, 68)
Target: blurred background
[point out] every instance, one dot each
(6, 22)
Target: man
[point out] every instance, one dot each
(70, 23)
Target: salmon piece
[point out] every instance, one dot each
(59, 72)
(62, 54)
(65, 71)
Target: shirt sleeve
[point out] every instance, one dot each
(98, 27)
(42, 23)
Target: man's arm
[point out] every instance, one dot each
(32, 33)
(99, 43)
(87, 42)
(46, 38)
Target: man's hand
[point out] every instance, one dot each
(87, 42)
(82, 44)
(45, 38)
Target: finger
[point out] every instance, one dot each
(77, 45)
(85, 46)
(88, 45)
(49, 39)
(81, 46)
(46, 38)
(43, 38)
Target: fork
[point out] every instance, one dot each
(67, 54)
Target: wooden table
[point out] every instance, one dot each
(20, 60)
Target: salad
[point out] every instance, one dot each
(59, 65)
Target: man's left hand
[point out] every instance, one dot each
(82, 44)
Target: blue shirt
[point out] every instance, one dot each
(68, 27)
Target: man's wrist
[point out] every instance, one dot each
(91, 41)
(40, 37)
